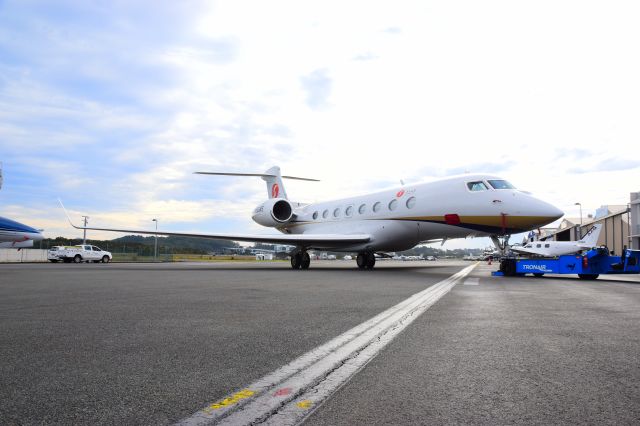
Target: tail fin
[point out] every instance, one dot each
(590, 239)
(275, 187)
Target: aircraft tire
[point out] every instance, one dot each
(588, 276)
(296, 261)
(305, 260)
(361, 260)
(371, 260)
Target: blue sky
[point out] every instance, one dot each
(112, 105)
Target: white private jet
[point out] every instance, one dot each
(14, 234)
(559, 248)
(391, 220)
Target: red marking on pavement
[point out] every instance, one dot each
(282, 392)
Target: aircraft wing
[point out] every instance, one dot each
(310, 240)
(332, 240)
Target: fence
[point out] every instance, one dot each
(23, 255)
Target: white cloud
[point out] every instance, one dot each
(317, 85)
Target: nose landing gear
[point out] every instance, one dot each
(366, 260)
(502, 246)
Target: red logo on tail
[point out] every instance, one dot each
(275, 190)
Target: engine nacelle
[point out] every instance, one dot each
(273, 212)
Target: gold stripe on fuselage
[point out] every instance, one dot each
(507, 221)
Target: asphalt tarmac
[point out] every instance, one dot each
(152, 344)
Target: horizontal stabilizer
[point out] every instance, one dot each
(257, 175)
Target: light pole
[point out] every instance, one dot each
(155, 249)
(84, 237)
(580, 232)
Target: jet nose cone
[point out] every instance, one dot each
(550, 211)
(554, 212)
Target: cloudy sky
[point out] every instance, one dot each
(112, 105)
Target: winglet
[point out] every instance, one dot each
(67, 214)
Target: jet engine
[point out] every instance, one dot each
(273, 212)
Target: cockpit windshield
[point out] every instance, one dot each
(501, 184)
(477, 186)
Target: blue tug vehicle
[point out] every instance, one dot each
(588, 266)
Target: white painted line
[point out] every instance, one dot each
(472, 281)
(293, 391)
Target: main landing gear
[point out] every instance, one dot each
(300, 260)
(366, 260)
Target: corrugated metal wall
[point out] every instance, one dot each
(615, 232)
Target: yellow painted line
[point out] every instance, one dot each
(232, 400)
(304, 404)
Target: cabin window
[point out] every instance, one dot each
(393, 204)
(546, 246)
(362, 208)
(315, 215)
(325, 214)
(376, 207)
(336, 212)
(501, 184)
(411, 202)
(477, 186)
(538, 245)
(348, 211)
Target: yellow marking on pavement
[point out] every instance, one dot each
(233, 399)
(304, 404)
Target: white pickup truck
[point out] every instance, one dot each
(78, 254)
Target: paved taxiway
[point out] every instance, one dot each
(152, 344)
